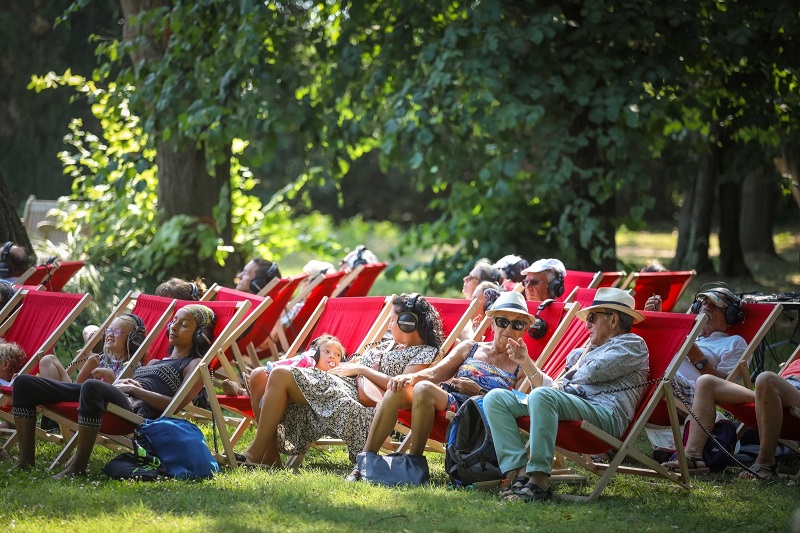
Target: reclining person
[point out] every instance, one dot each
(191, 333)
(471, 368)
(14, 261)
(715, 352)
(544, 279)
(255, 275)
(773, 393)
(614, 359)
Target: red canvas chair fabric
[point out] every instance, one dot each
(669, 285)
(579, 278)
(62, 274)
(322, 290)
(364, 281)
(35, 275)
(669, 337)
(612, 279)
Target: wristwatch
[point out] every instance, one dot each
(701, 364)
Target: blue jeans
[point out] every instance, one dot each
(545, 407)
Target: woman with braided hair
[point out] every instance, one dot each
(147, 394)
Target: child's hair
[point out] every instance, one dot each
(12, 353)
(324, 339)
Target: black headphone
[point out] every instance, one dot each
(514, 272)
(538, 329)
(408, 320)
(195, 292)
(556, 287)
(734, 314)
(256, 286)
(5, 269)
(202, 339)
(359, 260)
(137, 336)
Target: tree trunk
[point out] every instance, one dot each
(693, 241)
(759, 196)
(11, 228)
(185, 187)
(731, 258)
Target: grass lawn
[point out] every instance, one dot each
(317, 498)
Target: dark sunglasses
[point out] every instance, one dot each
(516, 325)
(531, 282)
(591, 317)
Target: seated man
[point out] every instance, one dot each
(544, 279)
(255, 275)
(602, 385)
(714, 352)
(13, 261)
(773, 393)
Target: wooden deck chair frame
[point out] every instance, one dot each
(471, 308)
(594, 440)
(363, 283)
(434, 444)
(130, 420)
(669, 300)
(587, 280)
(25, 276)
(612, 279)
(375, 332)
(345, 282)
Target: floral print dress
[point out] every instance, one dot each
(333, 408)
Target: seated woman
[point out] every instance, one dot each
(772, 395)
(472, 368)
(121, 340)
(307, 403)
(182, 289)
(482, 271)
(150, 391)
(614, 359)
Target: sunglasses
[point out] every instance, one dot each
(114, 331)
(592, 317)
(531, 282)
(516, 325)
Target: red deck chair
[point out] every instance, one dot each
(669, 337)
(61, 275)
(557, 316)
(746, 414)
(612, 279)
(355, 321)
(117, 422)
(323, 289)
(579, 278)
(668, 285)
(252, 327)
(456, 314)
(35, 275)
(363, 282)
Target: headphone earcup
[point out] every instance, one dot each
(696, 305)
(538, 329)
(5, 270)
(254, 286)
(734, 314)
(407, 321)
(556, 288)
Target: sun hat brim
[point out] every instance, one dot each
(636, 315)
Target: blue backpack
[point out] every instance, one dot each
(180, 445)
(469, 454)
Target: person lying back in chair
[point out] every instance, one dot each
(714, 352)
(614, 359)
(150, 391)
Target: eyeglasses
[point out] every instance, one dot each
(114, 331)
(516, 325)
(470, 277)
(591, 317)
(531, 282)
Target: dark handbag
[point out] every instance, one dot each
(393, 469)
(370, 394)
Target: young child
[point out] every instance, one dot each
(326, 352)
(11, 360)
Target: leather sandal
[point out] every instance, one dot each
(517, 485)
(693, 463)
(530, 492)
(759, 471)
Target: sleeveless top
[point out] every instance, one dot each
(485, 375)
(162, 376)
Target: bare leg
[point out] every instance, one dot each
(257, 381)
(83, 450)
(281, 390)
(386, 417)
(50, 367)
(709, 392)
(773, 393)
(428, 398)
(26, 433)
